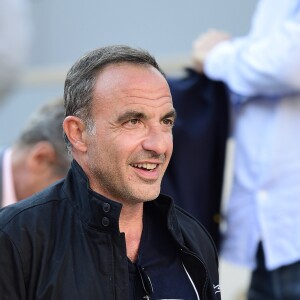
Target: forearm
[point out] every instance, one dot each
(269, 66)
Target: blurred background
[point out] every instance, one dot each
(59, 32)
(51, 35)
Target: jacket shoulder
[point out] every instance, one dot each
(195, 234)
(30, 208)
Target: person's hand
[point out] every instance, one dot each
(204, 44)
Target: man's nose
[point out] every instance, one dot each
(157, 140)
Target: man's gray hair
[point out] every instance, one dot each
(81, 78)
(45, 124)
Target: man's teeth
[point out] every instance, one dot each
(145, 166)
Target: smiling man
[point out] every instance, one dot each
(106, 232)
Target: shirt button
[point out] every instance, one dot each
(105, 221)
(106, 207)
(262, 195)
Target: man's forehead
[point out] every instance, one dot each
(133, 85)
(128, 72)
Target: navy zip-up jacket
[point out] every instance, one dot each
(64, 243)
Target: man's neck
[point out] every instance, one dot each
(131, 223)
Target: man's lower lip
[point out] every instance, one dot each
(147, 174)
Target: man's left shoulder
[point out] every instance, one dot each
(192, 228)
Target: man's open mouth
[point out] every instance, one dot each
(145, 166)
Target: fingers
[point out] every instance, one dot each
(204, 44)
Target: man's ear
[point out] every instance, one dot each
(41, 157)
(74, 128)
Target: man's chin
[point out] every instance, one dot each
(150, 195)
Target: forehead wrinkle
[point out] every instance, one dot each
(152, 99)
(148, 97)
(138, 92)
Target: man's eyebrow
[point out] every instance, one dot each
(132, 114)
(171, 114)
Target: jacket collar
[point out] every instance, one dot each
(102, 213)
(94, 209)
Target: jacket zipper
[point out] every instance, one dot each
(203, 297)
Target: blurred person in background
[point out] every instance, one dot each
(262, 72)
(38, 158)
(15, 41)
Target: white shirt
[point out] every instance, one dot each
(262, 70)
(9, 195)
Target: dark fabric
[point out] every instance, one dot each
(278, 284)
(1, 175)
(65, 243)
(160, 260)
(194, 177)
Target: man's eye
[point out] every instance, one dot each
(133, 121)
(168, 122)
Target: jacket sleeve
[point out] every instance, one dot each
(264, 65)
(12, 284)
